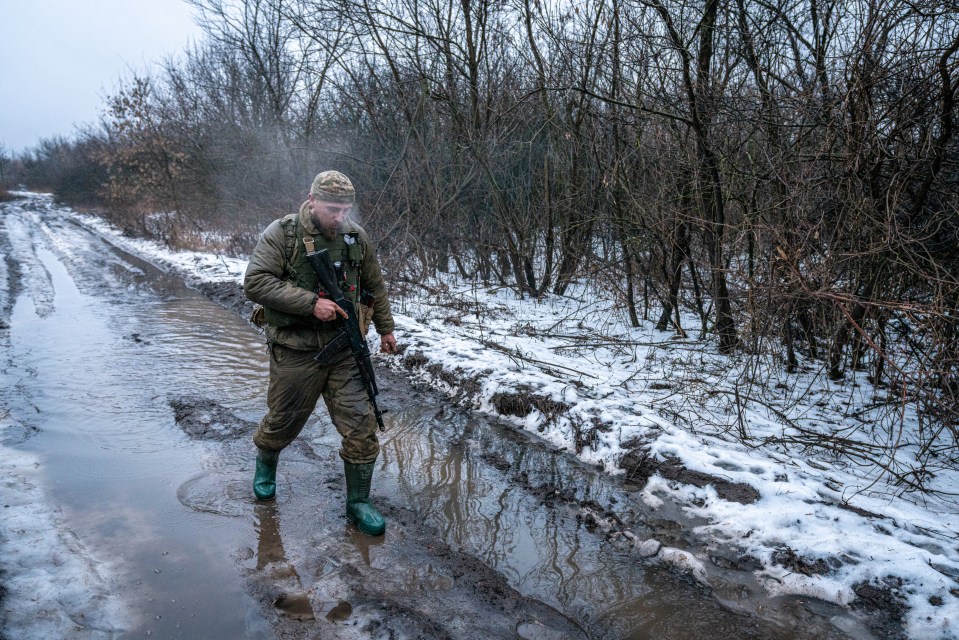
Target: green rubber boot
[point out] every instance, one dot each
(359, 477)
(264, 480)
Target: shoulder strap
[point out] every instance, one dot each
(290, 224)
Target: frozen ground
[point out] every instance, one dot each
(571, 370)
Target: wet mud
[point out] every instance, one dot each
(207, 419)
(491, 533)
(10, 276)
(317, 576)
(227, 294)
(640, 466)
(884, 608)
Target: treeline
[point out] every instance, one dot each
(788, 171)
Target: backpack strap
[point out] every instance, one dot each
(290, 224)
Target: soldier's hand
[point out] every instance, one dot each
(325, 309)
(388, 344)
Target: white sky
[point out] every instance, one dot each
(59, 59)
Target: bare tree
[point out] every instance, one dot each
(782, 172)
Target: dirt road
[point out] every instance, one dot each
(134, 399)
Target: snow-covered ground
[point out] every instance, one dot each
(572, 370)
(59, 578)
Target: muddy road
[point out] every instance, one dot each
(134, 398)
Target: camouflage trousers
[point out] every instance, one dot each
(296, 383)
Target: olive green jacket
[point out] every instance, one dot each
(286, 285)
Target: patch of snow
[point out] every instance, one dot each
(648, 548)
(684, 562)
(55, 588)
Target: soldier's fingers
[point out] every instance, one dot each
(388, 345)
(340, 311)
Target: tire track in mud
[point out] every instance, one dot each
(15, 268)
(10, 277)
(25, 270)
(52, 585)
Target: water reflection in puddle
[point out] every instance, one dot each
(519, 507)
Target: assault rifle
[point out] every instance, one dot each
(326, 274)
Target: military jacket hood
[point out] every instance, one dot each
(306, 221)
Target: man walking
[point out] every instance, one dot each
(301, 319)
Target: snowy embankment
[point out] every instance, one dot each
(571, 370)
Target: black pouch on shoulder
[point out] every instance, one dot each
(354, 250)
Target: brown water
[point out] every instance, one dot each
(100, 343)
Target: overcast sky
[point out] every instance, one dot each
(60, 58)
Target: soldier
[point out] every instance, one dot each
(300, 319)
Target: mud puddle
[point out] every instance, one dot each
(142, 395)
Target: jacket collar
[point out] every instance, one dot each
(306, 220)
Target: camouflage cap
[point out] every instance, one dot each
(333, 186)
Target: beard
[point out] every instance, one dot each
(327, 230)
